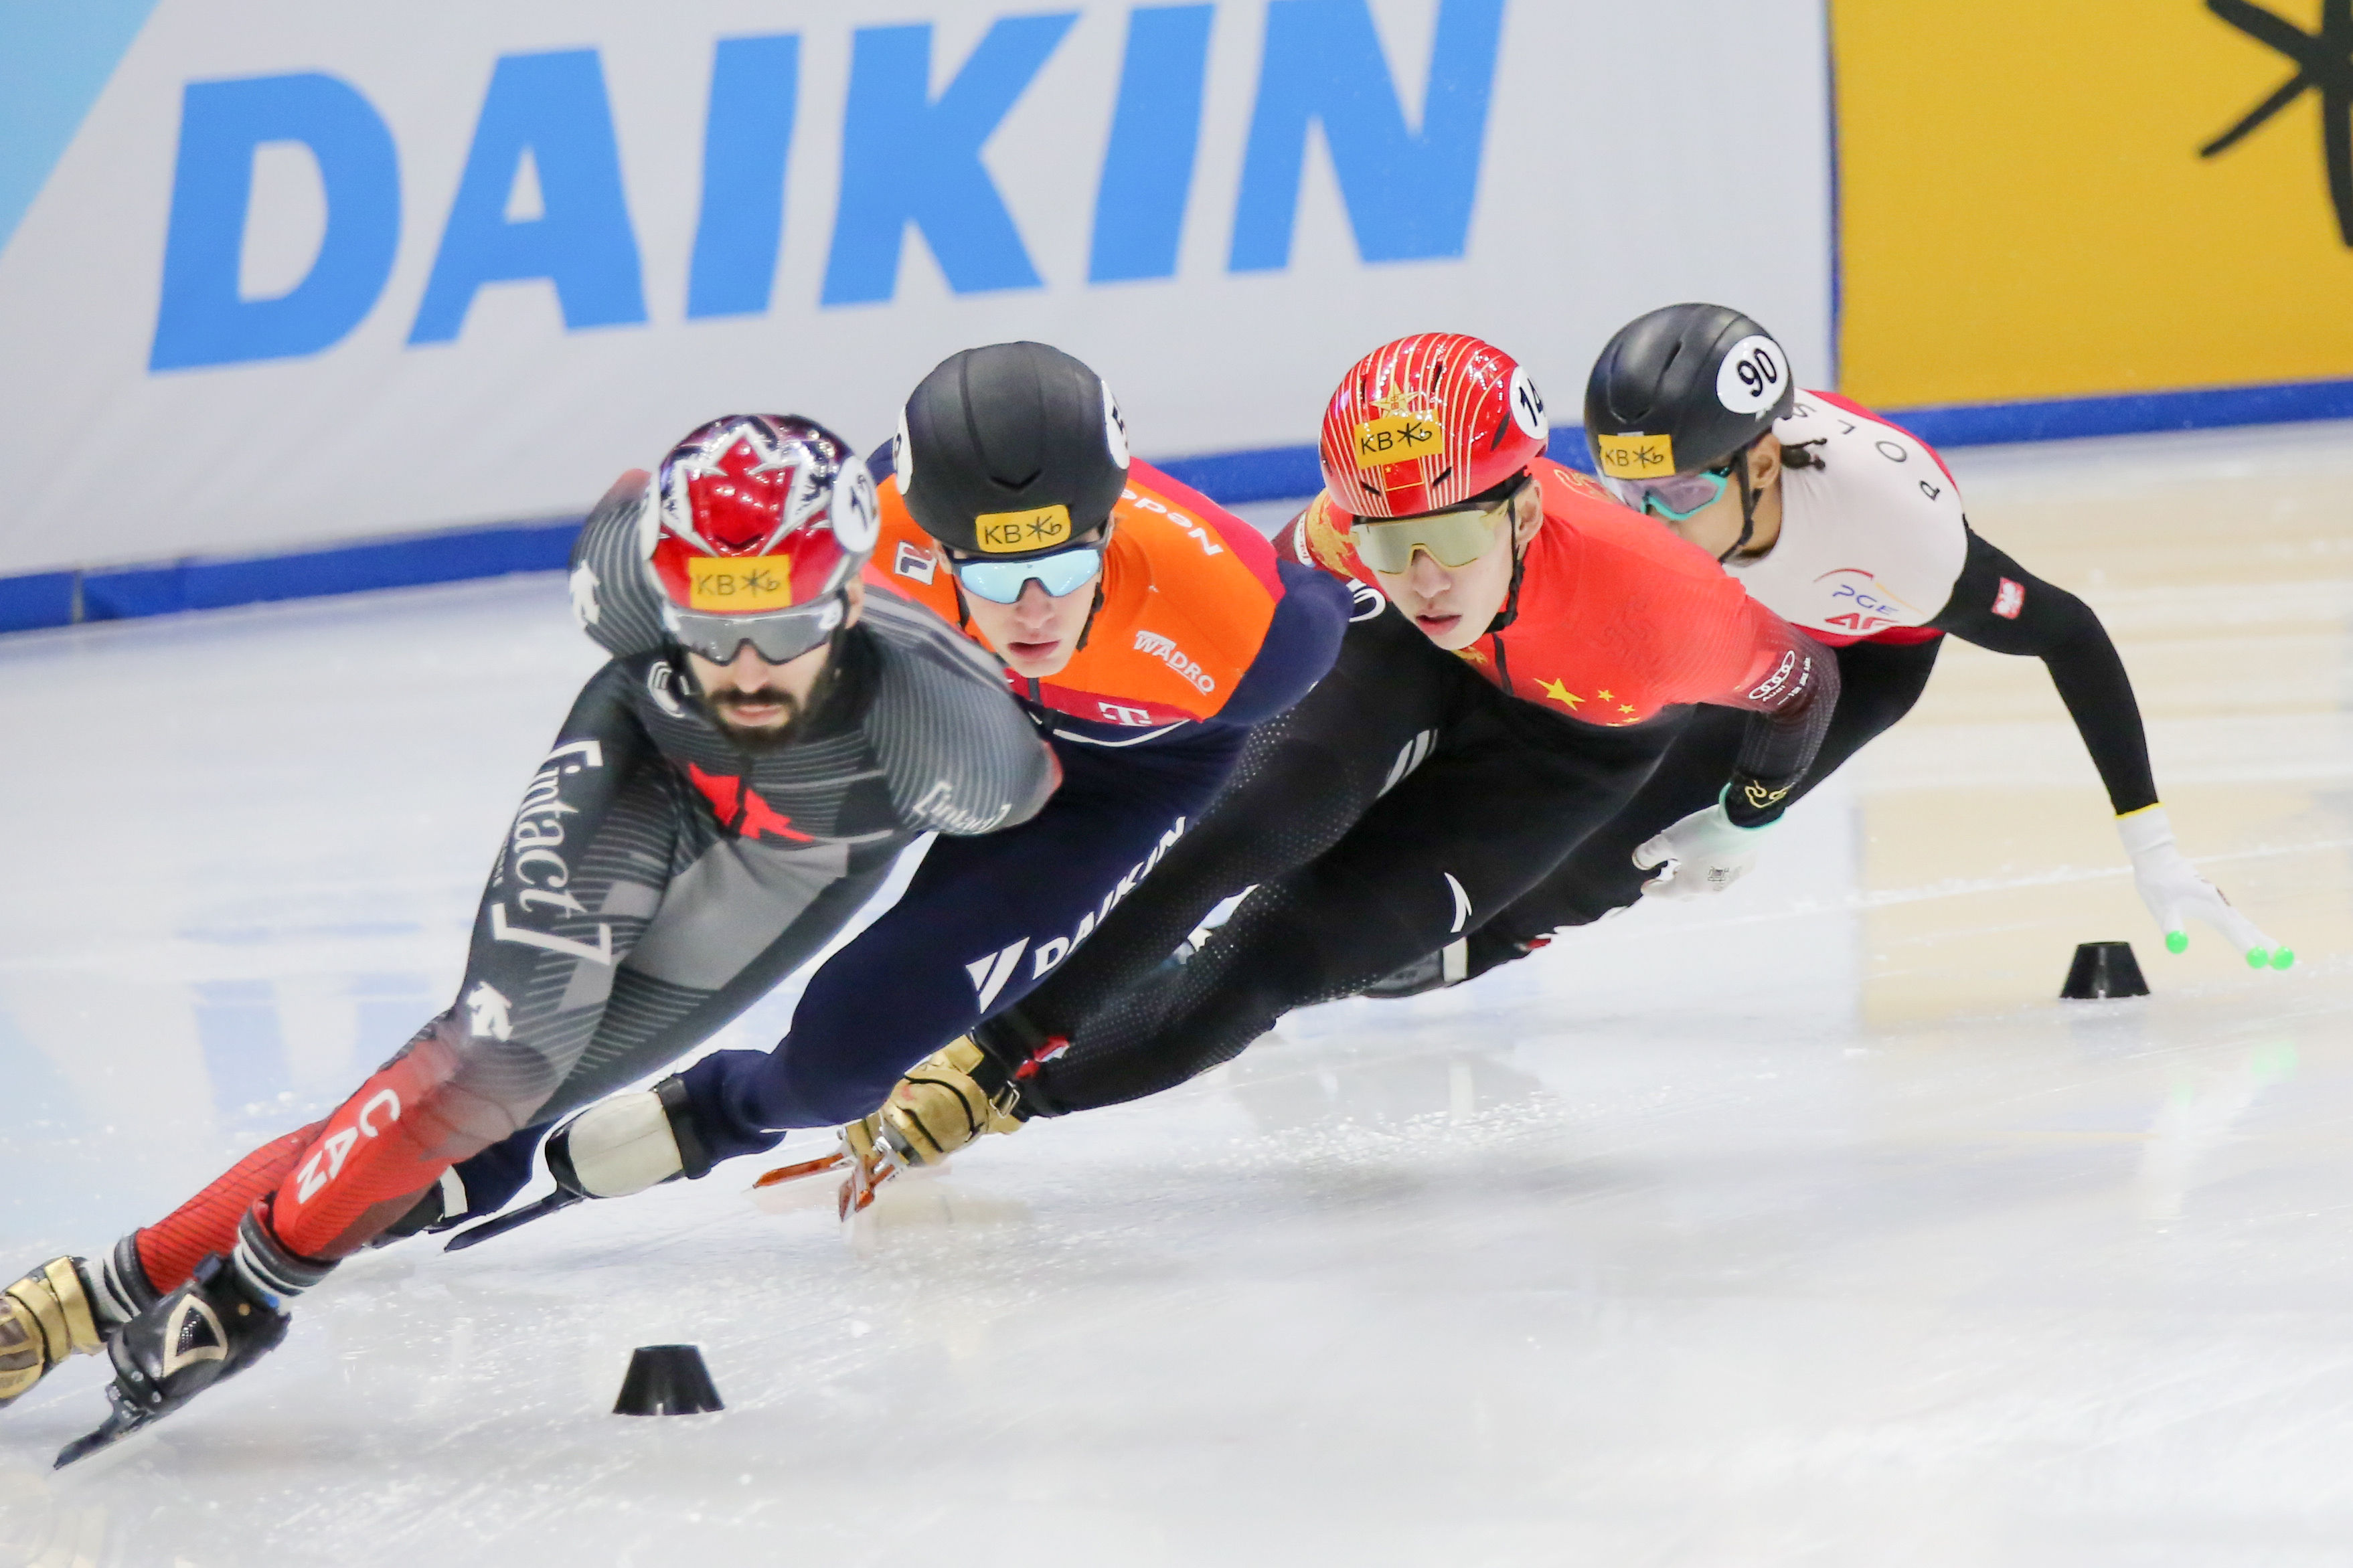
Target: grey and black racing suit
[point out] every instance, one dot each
(659, 877)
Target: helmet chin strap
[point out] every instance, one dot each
(1511, 610)
(1092, 611)
(1103, 575)
(1747, 506)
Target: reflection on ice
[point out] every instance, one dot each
(2205, 1102)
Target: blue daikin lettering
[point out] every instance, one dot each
(909, 158)
(202, 318)
(754, 92)
(1156, 131)
(1409, 194)
(552, 107)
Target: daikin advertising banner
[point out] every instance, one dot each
(280, 273)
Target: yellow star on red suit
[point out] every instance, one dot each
(1607, 695)
(1560, 693)
(1473, 654)
(1625, 707)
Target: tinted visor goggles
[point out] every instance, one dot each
(1453, 538)
(778, 638)
(1001, 582)
(1676, 497)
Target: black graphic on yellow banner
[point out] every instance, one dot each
(2030, 215)
(1636, 457)
(744, 587)
(2323, 64)
(1010, 533)
(1397, 438)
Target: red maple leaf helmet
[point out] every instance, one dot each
(1428, 422)
(759, 514)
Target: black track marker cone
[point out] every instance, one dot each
(2103, 969)
(667, 1379)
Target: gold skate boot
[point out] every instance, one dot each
(44, 1318)
(945, 1101)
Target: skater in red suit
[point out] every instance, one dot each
(1524, 651)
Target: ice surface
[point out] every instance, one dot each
(1806, 1226)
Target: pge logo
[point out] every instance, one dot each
(1866, 609)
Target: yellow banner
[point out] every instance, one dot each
(2044, 200)
(742, 588)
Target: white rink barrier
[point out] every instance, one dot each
(280, 278)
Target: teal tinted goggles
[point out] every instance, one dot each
(1677, 498)
(1001, 582)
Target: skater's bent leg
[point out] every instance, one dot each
(476, 1073)
(1879, 683)
(984, 921)
(1600, 876)
(1305, 776)
(1472, 831)
(170, 1249)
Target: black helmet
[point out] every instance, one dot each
(1010, 450)
(1682, 389)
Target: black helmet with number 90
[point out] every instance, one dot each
(1682, 389)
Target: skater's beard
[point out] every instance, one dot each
(798, 713)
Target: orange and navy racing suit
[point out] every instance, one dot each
(1201, 634)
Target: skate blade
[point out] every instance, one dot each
(120, 1422)
(857, 1188)
(817, 1167)
(474, 1235)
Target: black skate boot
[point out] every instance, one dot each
(67, 1306)
(1432, 971)
(226, 1318)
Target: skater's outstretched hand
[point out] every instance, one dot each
(1705, 852)
(2175, 893)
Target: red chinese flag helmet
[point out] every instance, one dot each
(1428, 422)
(759, 522)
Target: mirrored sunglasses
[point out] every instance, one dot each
(778, 638)
(1453, 538)
(1001, 582)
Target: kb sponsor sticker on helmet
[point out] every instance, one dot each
(747, 588)
(1635, 456)
(1011, 532)
(1753, 376)
(1397, 438)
